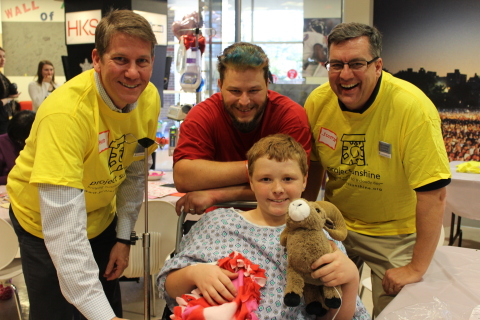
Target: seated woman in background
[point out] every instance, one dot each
(277, 167)
(44, 85)
(12, 142)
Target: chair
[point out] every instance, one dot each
(162, 222)
(186, 221)
(10, 266)
(25, 105)
(367, 282)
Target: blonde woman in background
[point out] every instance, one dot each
(44, 85)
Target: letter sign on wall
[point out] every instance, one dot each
(80, 26)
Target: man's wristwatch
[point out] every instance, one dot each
(127, 242)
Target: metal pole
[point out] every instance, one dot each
(146, 247)
(146, 143)
(238, 20)
(198, 95)
(209, 88)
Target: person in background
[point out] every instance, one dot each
(277, 168)
(314, 50)
(40, 89)
(209, 160)
(8, 92)
(77, 186)
(14, 140)
(380, 141)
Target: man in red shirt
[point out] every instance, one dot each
(209, 160)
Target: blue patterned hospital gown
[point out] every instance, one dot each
(222, 231)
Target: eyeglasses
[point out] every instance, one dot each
(354, 65)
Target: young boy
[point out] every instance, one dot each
(277, 167)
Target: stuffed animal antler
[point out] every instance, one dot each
(305, 242)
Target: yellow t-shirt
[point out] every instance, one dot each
(78, 141)
(376, 159)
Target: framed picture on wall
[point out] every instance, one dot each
(315, 31)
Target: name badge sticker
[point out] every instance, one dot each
(385, 149)
(103, 141)
(328, 138)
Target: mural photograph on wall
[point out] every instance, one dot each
(315, 33)
(435, 45)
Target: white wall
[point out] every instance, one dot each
(353, 10)
(358, 11)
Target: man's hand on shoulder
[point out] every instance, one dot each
(395, 279)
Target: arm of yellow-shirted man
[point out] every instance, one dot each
(430, 208)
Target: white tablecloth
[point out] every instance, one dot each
(463, 193)
(451, 285)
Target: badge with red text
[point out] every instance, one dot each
(328, 138)
(103, 141)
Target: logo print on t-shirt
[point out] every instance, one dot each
(115, 161)
(353, 149)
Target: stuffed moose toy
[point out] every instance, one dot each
(305, 242)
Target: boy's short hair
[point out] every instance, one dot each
(242, 56)
(280, 147)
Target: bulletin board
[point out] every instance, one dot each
(26, 43)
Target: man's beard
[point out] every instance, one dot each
(246, 127)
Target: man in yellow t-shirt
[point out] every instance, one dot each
(379, 140)
(77, 186)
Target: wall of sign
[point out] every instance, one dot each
(32, 31)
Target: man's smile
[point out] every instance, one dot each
(349, 86)
(129, 86)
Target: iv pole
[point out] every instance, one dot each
(211, 33)
(145, 143)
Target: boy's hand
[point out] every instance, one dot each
(337, 268)
(214, 283)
